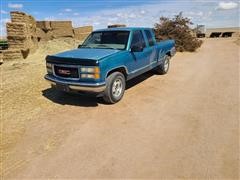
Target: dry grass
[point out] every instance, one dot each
(22, 82)
(238, 41)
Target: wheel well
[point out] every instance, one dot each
(120, 69)
(168, 53)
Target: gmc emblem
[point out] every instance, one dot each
(64, 72)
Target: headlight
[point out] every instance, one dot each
(49, 68)
(90, 76)
(90, 72)
(49, 65)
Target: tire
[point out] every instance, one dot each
(164, 67)
(115, 88)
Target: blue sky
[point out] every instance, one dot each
(212, 13)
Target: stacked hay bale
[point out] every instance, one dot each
(21, 36)
(48, 30)
(29, 38)
(44, 32)
(13, 54)
(62, 29)
(24, 34)
(81, 33)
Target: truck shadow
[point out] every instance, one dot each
(74, 99)
(137, 80)
(86, 100)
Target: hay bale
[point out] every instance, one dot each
(44, 25)
(33, 44)
(18, 17)
(61, 24)
(17, 42)
(84, 29)
(44, 36)
(16, 29)
(81, 36)
(21, 17)
(81, 33)
(12, 54)
(63, 32)
(22, 32)
(40, 34)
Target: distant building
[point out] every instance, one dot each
(201, 31)
(223, 32)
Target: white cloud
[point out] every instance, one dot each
(200, 12)
(227, 5)
(75, 14)
(68, 10)
(5, 20)
(140, 15)
(142, 12)
(96, 23)
(15, 6)
(192, 13)
(3, 12)
(51, 18)
(2, 31)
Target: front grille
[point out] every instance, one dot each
(66, 72)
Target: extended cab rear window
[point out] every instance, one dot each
(149, 37)
(138, 39)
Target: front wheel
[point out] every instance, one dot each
(164, 67)
(115, 88)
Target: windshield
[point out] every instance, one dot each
(107, 40)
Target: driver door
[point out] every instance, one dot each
(139, 59)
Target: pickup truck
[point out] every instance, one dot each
(107, 59)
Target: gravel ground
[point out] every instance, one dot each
(181, 125)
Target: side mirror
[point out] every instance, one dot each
(136, 49)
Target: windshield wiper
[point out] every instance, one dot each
(85, 46)
(102, 46)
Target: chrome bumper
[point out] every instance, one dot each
(95, 88)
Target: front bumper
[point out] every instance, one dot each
(87, 87)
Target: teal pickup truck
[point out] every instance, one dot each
(107, 59)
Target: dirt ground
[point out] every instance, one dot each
(181, 125)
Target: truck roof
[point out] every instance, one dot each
(123, 29)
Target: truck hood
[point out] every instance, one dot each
(86, 53)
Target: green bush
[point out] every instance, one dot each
(177, 28)
(3, 45)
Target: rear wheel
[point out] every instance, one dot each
(115, 88)
(164, 67)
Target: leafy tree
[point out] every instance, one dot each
(177, 28)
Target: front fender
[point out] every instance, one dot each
(113, 62)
